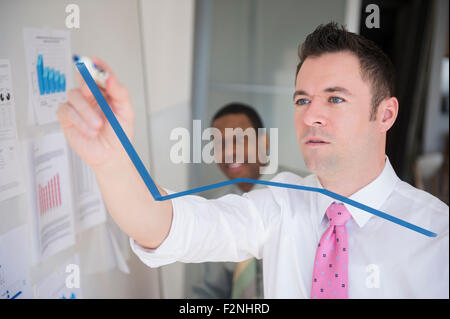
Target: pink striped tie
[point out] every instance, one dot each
(330, 275)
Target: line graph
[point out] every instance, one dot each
(158, 197)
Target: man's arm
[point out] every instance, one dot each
(132, 206)
(93, 139)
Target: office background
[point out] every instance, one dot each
(183, 59)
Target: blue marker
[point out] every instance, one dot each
(100, 76)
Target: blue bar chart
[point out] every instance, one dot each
(49, 68)
(50, 80)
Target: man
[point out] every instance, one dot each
(226, 280)
(311, 246)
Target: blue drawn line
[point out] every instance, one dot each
(119, 131)
(157, 195)
(16, 295)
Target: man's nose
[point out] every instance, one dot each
(315, 113)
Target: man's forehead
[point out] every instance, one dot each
(340, 69)
(233, 120)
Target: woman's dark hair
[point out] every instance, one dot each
(375, 66)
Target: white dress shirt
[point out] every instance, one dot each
(283, 226)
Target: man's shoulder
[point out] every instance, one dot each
(421, 197)
(289, 178)
(424, 206)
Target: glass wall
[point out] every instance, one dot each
(249, 55)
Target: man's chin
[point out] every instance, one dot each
(243, 172)
(236, 175)
(322, 166)
(315, 166)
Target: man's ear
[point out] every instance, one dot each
(387, 113)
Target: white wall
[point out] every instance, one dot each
(109, 29)
(252, 59)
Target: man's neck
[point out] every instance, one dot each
(246, 187)
(346, 183)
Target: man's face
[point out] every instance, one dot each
(332, 111)
(237, 170)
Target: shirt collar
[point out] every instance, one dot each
(373, 195)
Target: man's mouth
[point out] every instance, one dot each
(315, 141)
(234, 166)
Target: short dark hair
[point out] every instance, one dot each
(240, 108)
(375, 66)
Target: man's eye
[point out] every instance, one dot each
(335, 99)
(302, 101)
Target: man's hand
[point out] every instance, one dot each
(89, 133)
(85, 126)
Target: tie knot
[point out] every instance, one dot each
(338, 214)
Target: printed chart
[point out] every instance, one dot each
(7, 105)
(54, 203)
(49, 195)
(49, 65)
(49, 80)
(11, 183)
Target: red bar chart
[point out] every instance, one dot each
(49, 195)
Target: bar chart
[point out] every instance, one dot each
(49, 195)
(49, 80)
(53, 205)
(49, 67)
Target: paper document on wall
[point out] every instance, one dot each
(11, 182)
(53, 193)
(8, 128)
(89, 206)
(10, 175)
(49, 70)
(14, 254)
